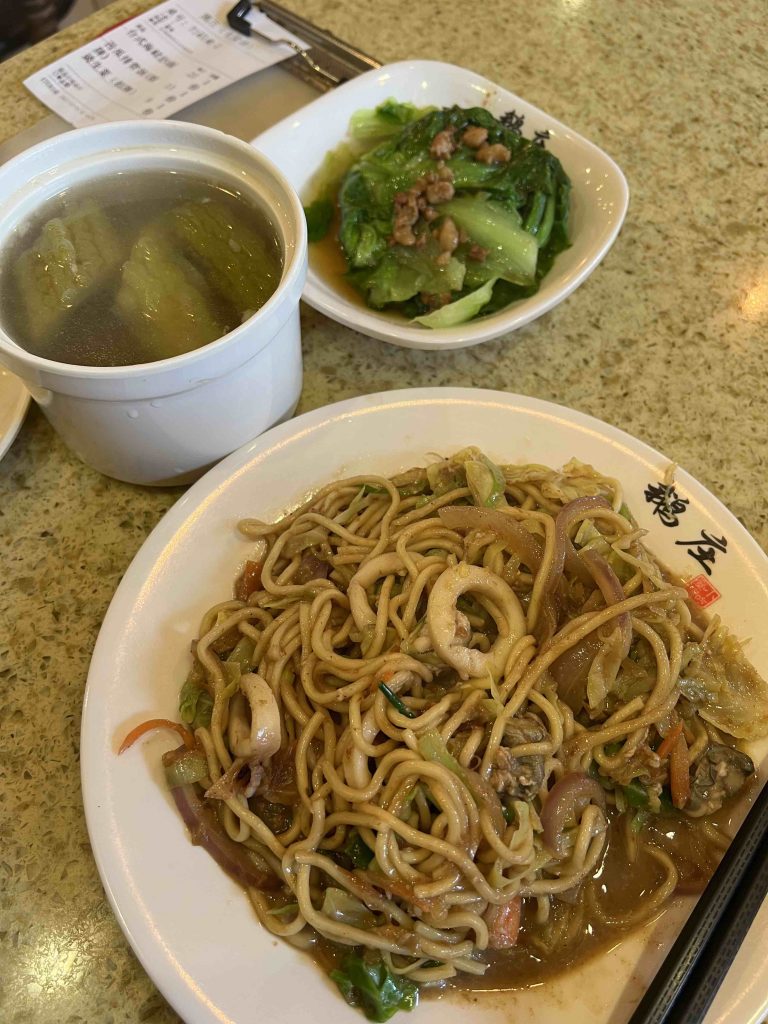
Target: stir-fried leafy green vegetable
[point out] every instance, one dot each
(367, 129)
(401, 273)
(451, 216)
(367, 983)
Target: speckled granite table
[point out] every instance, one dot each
(667, 340)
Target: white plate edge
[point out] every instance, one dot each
(18, 411)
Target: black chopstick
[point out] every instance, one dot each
(686, 983)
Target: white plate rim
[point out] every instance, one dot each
(150, 946)
(12, 392)
(503, 322)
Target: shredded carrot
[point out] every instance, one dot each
(156, 723)
(384, 677)
(679, 776)
(670, 739)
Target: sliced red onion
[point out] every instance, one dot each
(521, 543)
(611, 589)
(565, 556)
(567, 799)
(205, 831)
(280, 778)
(487, 797)
(567, 515)
(571, 670)
(311, 568)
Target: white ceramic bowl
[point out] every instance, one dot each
(599, 196)
(166, 421)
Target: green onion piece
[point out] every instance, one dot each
(635, 795)
(395, 701)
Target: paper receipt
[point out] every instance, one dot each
(157, 63)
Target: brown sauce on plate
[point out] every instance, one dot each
(607, 909)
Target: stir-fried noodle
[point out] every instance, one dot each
(434, 696)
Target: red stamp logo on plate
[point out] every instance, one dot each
(701, 591)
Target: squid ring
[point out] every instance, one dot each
(441, 620)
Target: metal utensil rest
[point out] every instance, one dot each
(325, 63)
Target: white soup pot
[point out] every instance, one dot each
(165, 422)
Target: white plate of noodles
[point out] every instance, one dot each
(430, 870)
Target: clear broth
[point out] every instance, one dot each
(138, 273)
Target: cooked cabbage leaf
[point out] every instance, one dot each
(727, 690)
(165, 300)
(195, 703)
